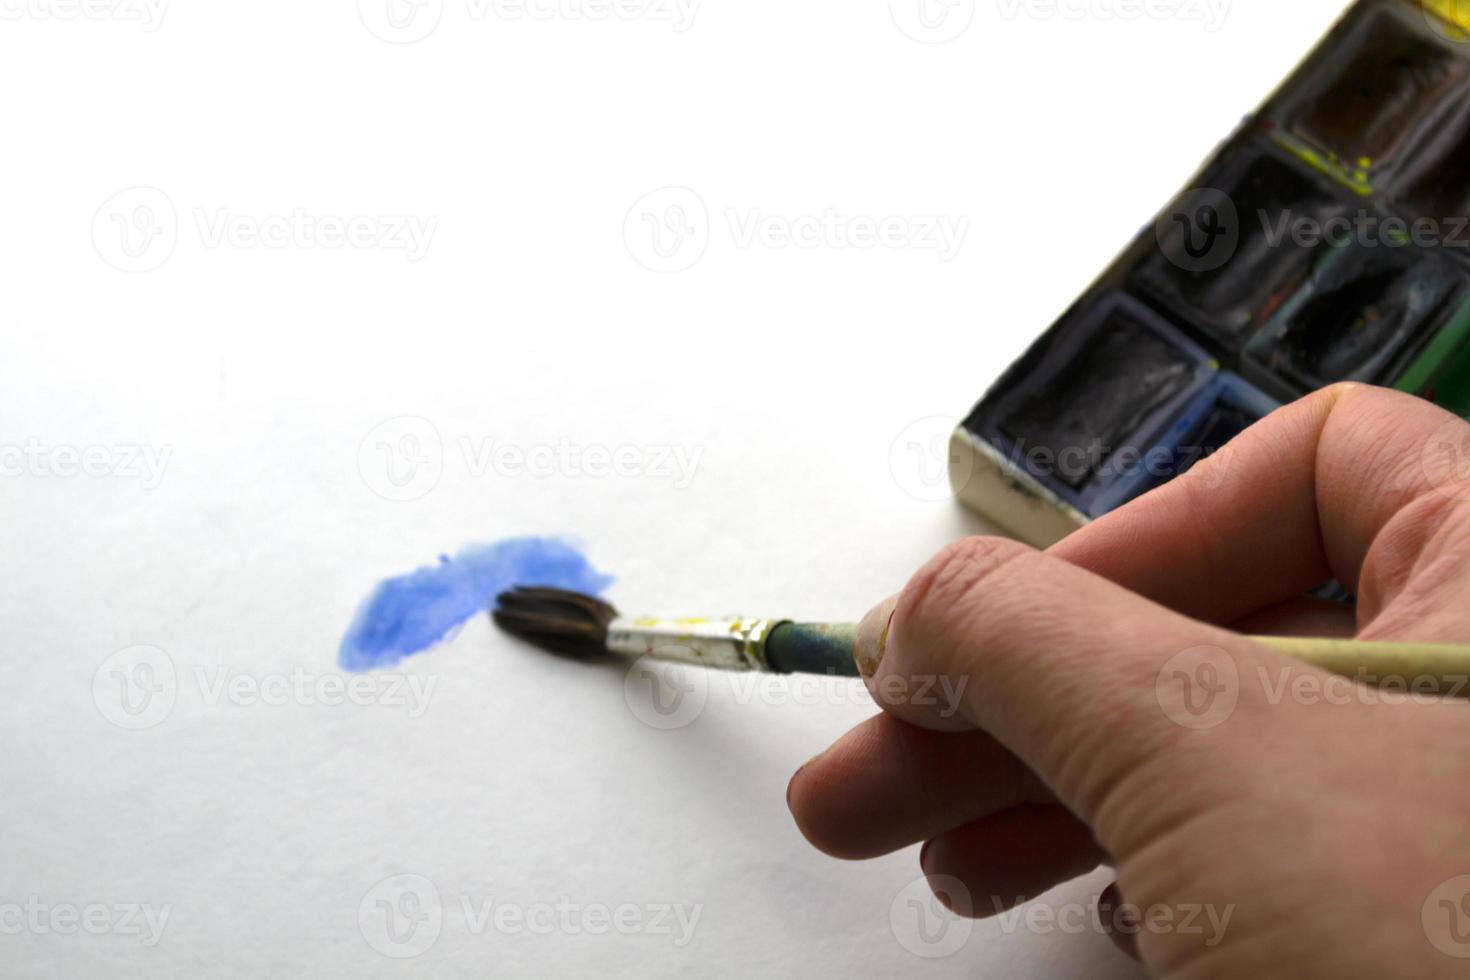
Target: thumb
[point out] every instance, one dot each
(1086, 682)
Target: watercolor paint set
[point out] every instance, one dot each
(1327, 240)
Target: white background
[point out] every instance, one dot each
(811, 382)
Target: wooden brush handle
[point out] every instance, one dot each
(1411, 663)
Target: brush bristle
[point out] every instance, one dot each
(568, 623)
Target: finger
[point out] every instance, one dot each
(1119, 920)
(1301, 616)
(1068, 671)
(886, 785)
(1008, 858)
(1297, 499)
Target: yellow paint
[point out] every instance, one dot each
(1357, 181)
(1457, 12)
(654, 622)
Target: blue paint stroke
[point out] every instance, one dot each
(411, 613)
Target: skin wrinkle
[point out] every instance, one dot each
(1326, 825)
(1396, 571)
(1345, 502)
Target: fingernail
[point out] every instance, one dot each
(871, 638)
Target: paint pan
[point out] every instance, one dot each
(1365, 313)
(1378, 87)
(1226, 407)
(1436, 185)
(1272, 197)
(1327, 240)
(1096, 392)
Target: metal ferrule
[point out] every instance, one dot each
(724, 644)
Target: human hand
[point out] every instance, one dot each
(1109, 711)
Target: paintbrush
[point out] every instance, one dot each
(585, 627)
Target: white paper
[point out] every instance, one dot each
(195, 484)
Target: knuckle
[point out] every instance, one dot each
(956, 581)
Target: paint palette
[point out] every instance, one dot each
(1326, 241)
